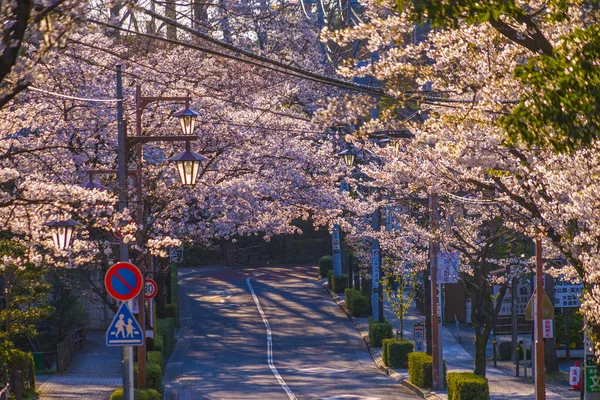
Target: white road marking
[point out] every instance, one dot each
(350, 396)
(322, 370)
(270, 344)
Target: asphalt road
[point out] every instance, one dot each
(268, 333)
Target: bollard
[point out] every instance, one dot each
(18, 385)
(517, 358)
(494, 342)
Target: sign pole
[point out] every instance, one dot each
(123, 248)
(540, 378)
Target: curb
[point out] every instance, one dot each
(364, 333)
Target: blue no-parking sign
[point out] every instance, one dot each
(124, 329)
(123, 281)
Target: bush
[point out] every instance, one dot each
(172, 311)
(395, 352)
(165, 327)
(18, 360)
(138, 394)
(357, 304)
(337, 284)
(575, 329)
(325, 265)
(156, 356)
(420, 369)
(159, 344)
(379, 331)
(154, 374)
(467, 386)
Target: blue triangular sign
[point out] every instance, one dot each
(124, 329)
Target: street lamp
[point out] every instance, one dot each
(188, 166)
(187, 119)
(62, 232)
(349, 157)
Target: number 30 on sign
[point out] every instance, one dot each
(150, 289)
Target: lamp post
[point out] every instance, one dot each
(62, 232)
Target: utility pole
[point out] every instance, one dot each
(436, 347)
(540, 373)
(123, 247)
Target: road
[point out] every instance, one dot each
(268, 333)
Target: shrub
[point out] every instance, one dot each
(172, 311)
(467, 386)
(154, 374)
(337, 284)
(18, 360)
(379, 331)
(159, 344)
(420, 369)
(165, 327)
(156, 356)
(395, 352)
(357, 304)
(138, 394)
(325, 265)
(575, 329)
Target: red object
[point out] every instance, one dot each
(123, 281)
(578, 386)
(150, 289)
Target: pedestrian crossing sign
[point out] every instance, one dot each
(124, 329)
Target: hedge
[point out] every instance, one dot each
(357, 304)
(395, 352)
(159, 344)
(325, 265)
(467, 386)
(420, 369)
(337, 284)
(165, 327)
(379, 331)
(138, 394)
(154, 374)
(156, 356)
(18, 360)
(172, 311)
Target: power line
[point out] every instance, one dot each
(64, 96)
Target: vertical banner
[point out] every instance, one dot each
(419, 332)
(336, 250)
(375, 266)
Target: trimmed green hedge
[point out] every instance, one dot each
(154, 374)
(138, 394)
(156, 356)
(395, 352)
(357, 304)
(379, 331)
(159, 344)
(337, 284)
(420, 369)
(325, 265)
(165, 327)
(467, 386)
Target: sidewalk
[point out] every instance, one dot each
(460, 358)
(94, 373)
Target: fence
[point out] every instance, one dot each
(247, 255)
(67, 348)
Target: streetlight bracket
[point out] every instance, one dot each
(145, 100)
(132, 140)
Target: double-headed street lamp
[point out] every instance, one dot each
(188, 166)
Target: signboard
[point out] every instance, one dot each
(419, 332)
(547, 331)
(150, 289)
(522, 297)
(574, 376)
(567, 295)
(592, 379)
(447, 267)
(123, 281)
(547, 307)
(375, 261)
(336, 240)
(124, 329)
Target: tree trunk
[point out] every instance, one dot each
(427, 285)
(480, 353)
(170, 12)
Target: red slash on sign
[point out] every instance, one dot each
(123, 281)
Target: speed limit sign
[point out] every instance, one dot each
(150, 289)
